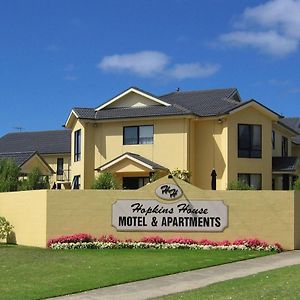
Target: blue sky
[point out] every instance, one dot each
(56, 55)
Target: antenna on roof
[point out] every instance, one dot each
(19, 128)
(178, 89)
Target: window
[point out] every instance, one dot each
(285, 147)
(60, 166)
(273, 139)
(253, 180)
(76, 182)
(77, 145)
(133, 183)
(249, 141)
(133, 135)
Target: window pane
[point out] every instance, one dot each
(256, 137)
(244, 178)
(255, 181)
(146, 135)
(77, 145)
(244, 136)
(130, 135)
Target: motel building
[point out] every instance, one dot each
(212, 134)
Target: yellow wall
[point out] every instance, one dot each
(250, 165)
(279, 133)
(268, 215)
(26, 211)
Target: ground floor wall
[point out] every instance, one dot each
(37, 216)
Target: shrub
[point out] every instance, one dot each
(239, 185)
(9, 175)
(35, 181)
(5, 228)
(182, 174)
(297, 184)
(105, 181)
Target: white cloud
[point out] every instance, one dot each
(267, 41)
(144, 63)
(272, 27)
(155, 63)
(70, 78)
(193, 70)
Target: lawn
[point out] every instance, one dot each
(278, 284)
(34, 273)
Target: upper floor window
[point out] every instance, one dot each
(133, 135)
(249, 141)
(273, 139)
(60, 166)
(285, 147)
(77, 145)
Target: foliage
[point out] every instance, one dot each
(239, 185)
(297, 184)
(35, 181)
(182, 174)
(74, 238)
(5, 228)
(157, 242)
(105, 181)
(9, 175)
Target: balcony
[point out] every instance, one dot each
(63, 175)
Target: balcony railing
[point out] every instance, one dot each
(63, 176)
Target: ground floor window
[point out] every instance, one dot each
(134, 183)
(253, 180)
(76, 182)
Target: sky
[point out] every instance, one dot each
(60, 54)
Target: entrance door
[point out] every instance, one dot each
(134, 183)
(285, 182)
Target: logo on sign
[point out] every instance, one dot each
(168, 191)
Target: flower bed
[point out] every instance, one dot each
(86, 241)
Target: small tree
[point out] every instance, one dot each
(297, 184)
(239, 185)
(9, 175)
(105, 181)
(35, 181)
(5, 228)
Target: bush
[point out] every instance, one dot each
(105, 181)
(181, 174)
(9, 175)
(297, 184)
(239, 185)
(5, 228)
(35, 181)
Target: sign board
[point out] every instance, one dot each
(168, 191)
(151, 215)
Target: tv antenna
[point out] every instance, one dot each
(19, 128)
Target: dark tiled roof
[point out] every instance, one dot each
(285, 164)
(18, 157)
(293, 123)
(200, 103)
(205, 103)
(154, 165)
(44, 142)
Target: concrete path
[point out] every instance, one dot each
(165, 285)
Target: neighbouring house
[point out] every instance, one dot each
(47, 150)
(213, 134)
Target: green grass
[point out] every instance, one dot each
(278, 284)
(33, 273)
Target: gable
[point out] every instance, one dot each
(132, 98)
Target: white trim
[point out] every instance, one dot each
(129, 91)
(123, 157)
(69, 117)
(255, 104)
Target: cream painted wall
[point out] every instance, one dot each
(250, 165)
(279, 133)
(132, 100)
(37, 216)
(210, 153)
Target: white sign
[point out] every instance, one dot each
(168, 191)
(151, 215)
